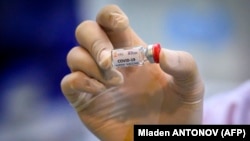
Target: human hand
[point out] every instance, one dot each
(110, 101)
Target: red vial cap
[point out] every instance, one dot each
(156, 52)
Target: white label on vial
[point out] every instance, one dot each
(125, 58)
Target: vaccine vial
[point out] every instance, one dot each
(135, 56)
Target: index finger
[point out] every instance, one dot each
(111, 30)
(91, 36)
(116, 25)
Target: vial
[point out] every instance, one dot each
(135, 56)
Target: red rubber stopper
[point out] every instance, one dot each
(156, 52)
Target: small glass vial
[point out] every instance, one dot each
(135, 56)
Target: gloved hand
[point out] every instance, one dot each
(110, 101)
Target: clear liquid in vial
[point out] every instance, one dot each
(135, 56)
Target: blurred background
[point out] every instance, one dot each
(35, 37)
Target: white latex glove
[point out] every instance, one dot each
(110, 101)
